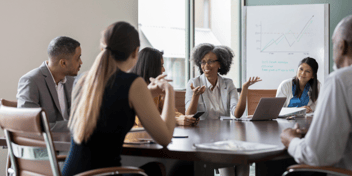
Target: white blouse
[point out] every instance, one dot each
(285, 90)
(216, 108)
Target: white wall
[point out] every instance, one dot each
(28, 26)
(225, 22)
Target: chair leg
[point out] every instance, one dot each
(9, 170)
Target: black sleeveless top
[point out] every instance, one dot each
(104, 146)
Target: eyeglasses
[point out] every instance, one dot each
(209, 62)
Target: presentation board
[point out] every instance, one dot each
(276, 38)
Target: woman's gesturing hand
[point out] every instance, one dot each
(251, 81)
(198, 90)
(158, 85)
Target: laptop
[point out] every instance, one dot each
(267, 109)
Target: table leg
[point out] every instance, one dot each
(242, 170)
(203, 169)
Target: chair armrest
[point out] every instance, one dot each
(61, 158)
(324, 169)
(114, 170)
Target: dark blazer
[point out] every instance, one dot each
(37, 89)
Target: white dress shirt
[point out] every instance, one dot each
(216, 108)
(329, 138)
(61, 95)
(285, 90)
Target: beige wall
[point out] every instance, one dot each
(28, 26)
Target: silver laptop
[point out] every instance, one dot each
(267, 109)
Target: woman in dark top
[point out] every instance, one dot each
(151, 64)
(106, 100)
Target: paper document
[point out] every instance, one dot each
(233, 145)
(292, 111)
(137, 129)
(226, 118)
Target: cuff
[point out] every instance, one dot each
(293, 145)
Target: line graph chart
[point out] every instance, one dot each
(289, 37)
(277, 38)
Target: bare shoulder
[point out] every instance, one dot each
(138, 85)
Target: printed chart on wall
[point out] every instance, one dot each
(277, 38)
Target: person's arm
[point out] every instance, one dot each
(328, 134)
(27, 93)
(283, 91)
(160, 128)
(192, 97)
(241, 106)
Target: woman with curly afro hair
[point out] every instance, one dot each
(210, 92)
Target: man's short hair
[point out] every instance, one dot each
(62, 46)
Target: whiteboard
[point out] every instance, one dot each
(276, 38)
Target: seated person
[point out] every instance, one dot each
(329, 138)
(211, 93)
(106, 101)
(303, 89)
(50, 85)
(150, 64)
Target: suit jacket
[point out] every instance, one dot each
(37, 89)
(228, 92)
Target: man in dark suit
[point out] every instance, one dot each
(50, 85)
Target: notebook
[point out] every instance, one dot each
(267, 109)
(285, 112)
(235, 146)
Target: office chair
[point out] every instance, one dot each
(254, 96)
(31, 147)
(9, 103)
(322, 169)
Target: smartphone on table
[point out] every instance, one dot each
(198, 114)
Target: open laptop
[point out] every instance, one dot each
(267, 109)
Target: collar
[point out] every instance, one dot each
(210, 86)
(62, 81)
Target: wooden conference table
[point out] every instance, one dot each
(266, 132)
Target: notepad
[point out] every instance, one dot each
(226, 118)
(285, 112)
(235, 146)
(137, 129)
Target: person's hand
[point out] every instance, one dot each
(251, 81)
(157, 86)
(308, 109)
(186, 120)
(198, 90)
(288, 134)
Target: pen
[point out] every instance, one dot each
(180, 136)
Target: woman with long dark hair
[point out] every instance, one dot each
(106, 101)
(150, 64)
(303, 89)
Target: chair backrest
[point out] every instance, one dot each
(180, 101)
(9, 103)
(29, 141)
(255, 95)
